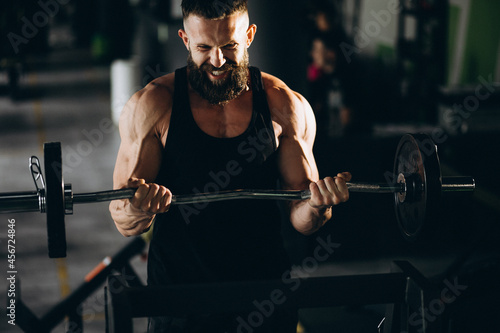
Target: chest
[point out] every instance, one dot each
(227, 121)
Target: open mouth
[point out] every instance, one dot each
(217, 75)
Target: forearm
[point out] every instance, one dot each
(307, 219)
(129, 220)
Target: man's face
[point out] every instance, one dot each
(218, 57)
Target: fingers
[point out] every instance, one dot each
(150, 198)
(330, 191)
(346, 175)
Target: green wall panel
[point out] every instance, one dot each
(483, 38)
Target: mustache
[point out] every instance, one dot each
(229, 65)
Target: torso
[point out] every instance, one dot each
(209, 150)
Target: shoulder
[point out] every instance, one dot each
(288, 108)
(154, 99)
(149, 109)
(277, 91)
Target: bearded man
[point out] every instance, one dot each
(218, 124)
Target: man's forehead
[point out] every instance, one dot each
(235, 23)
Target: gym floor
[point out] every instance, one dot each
(66, 98)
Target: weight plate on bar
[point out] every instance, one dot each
(417, 159)
(54, 197)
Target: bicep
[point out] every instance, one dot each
(140, 160)
(297, 164)
(140, 151)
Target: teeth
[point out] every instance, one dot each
(217, 73)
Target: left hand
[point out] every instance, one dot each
(329, 191)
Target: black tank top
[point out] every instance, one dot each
(218, 241)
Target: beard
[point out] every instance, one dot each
(222, 91)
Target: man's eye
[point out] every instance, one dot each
(230, 46)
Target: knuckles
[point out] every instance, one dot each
(331, 191)
(150, 197)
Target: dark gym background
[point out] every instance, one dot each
(68, 66)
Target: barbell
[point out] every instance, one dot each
(416, 183)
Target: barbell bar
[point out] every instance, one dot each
(449, 184)
(417, 187)
(33, 201)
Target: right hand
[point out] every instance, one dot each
(150, 198)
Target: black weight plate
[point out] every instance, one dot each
(54, 200)
(417, 158)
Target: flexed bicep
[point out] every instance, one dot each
(139, 160)
(297, 164)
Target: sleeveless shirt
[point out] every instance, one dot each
(218, 241)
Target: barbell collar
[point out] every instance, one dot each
(68, 199)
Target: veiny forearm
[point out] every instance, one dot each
(306, 219)
(128, 220)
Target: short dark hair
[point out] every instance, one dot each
(213, 9)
